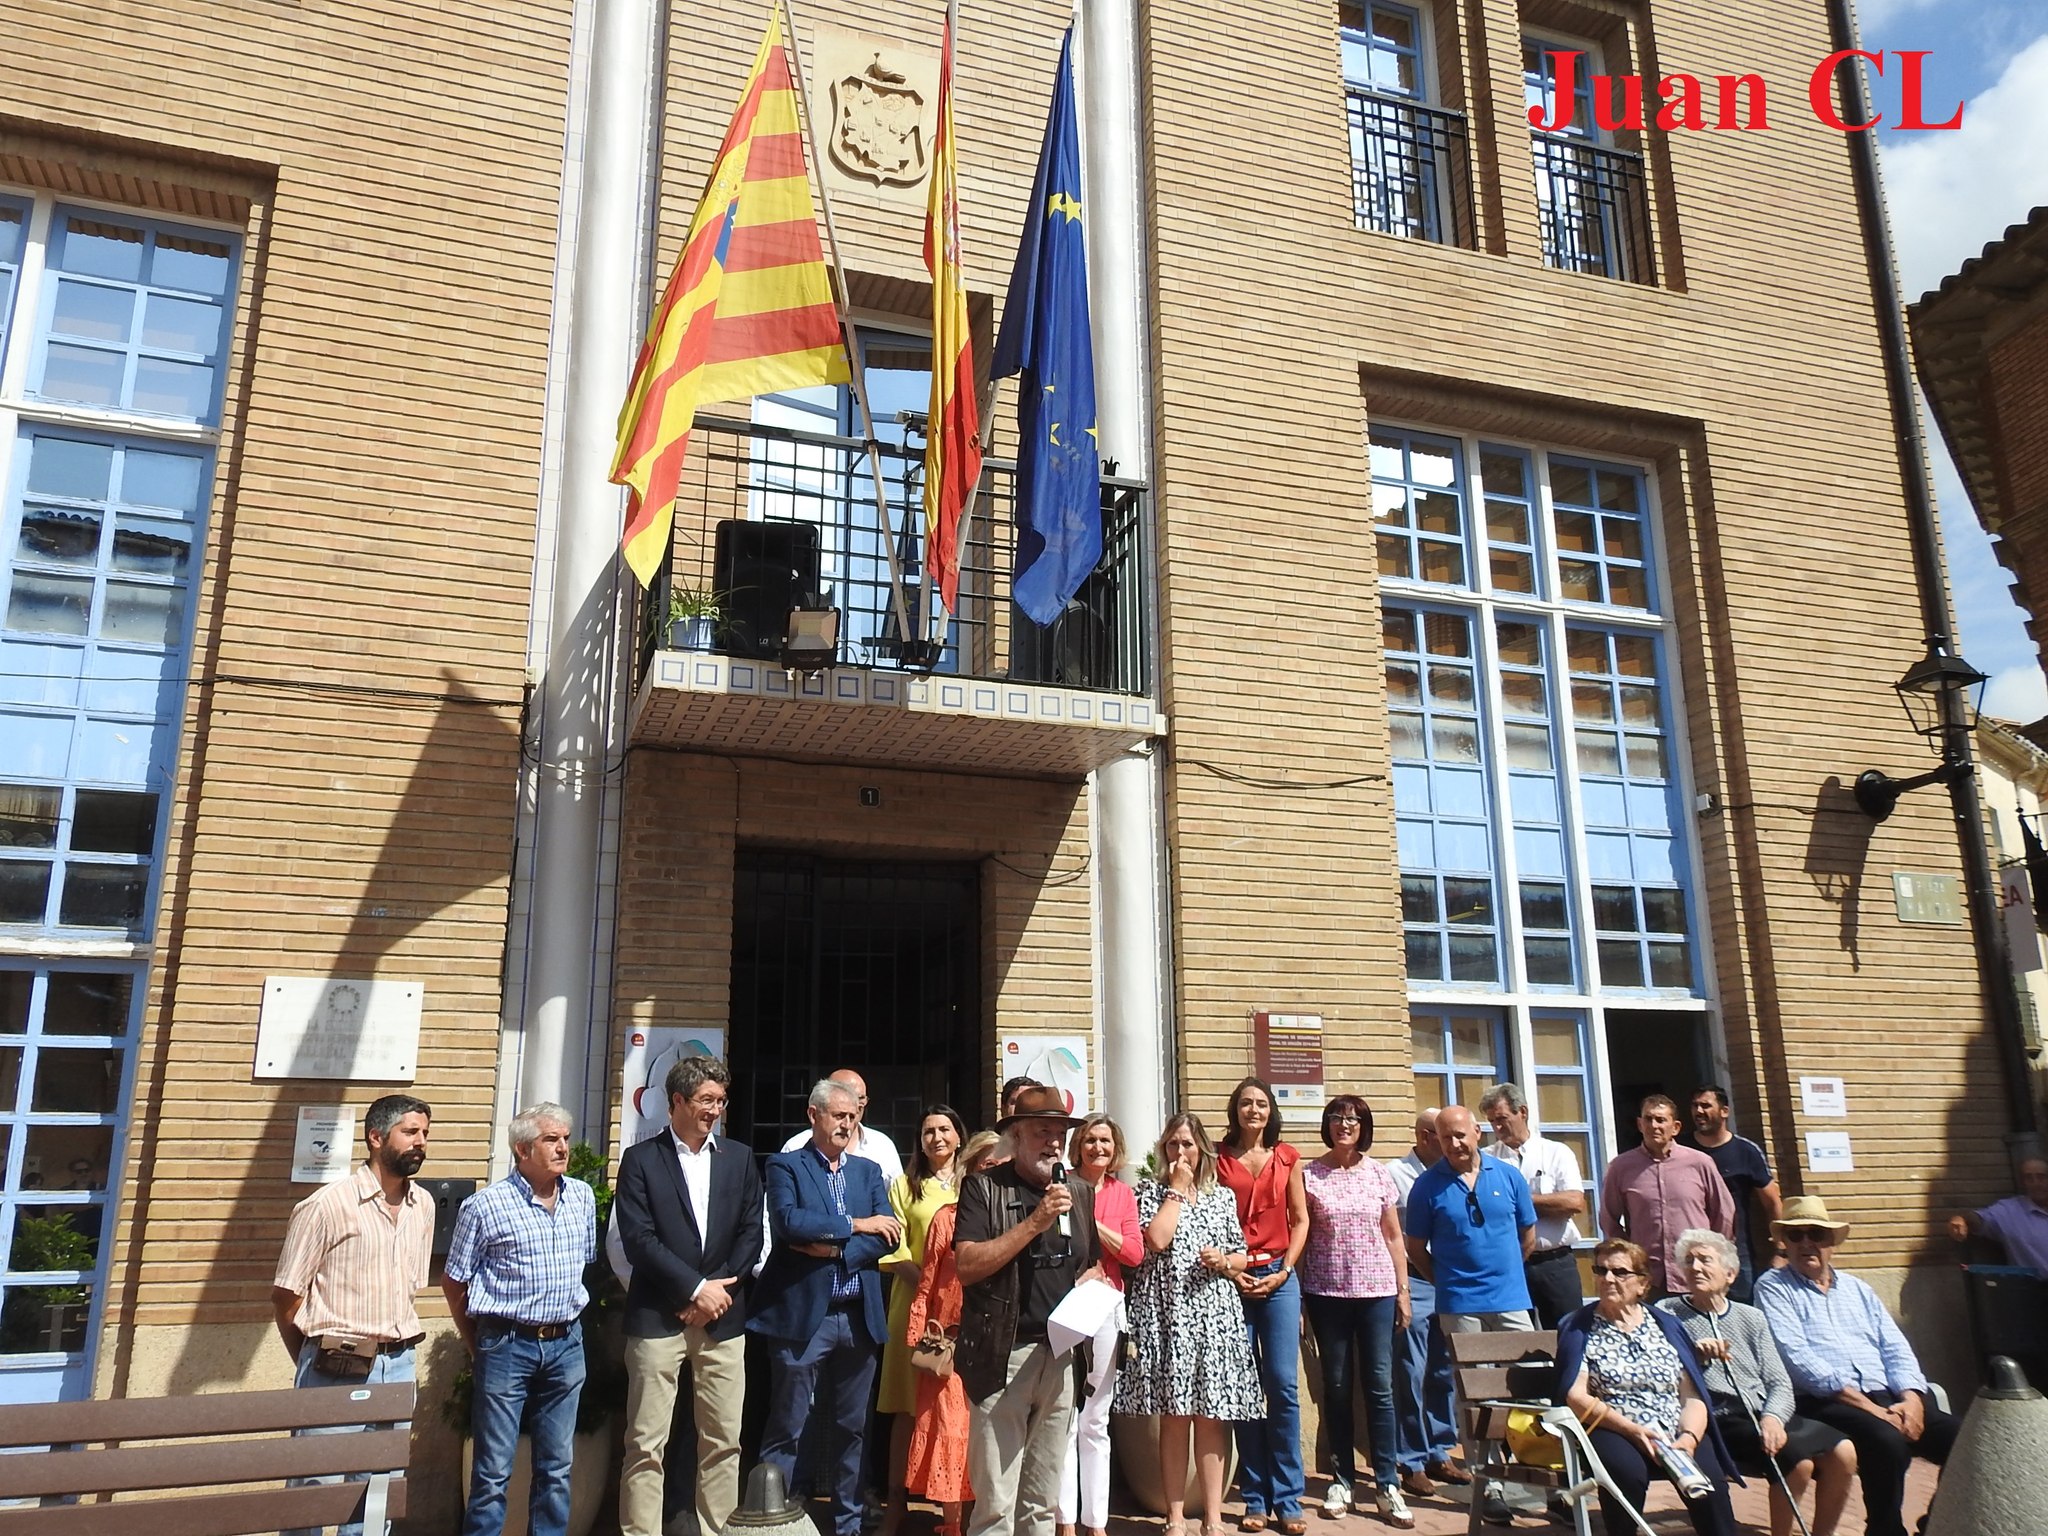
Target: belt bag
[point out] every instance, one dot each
(934, 1352)
(344, 1355)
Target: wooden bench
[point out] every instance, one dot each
(1497, 1373)
(54, 1451)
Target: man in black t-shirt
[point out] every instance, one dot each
(1744, 1169)
(1023, 1239)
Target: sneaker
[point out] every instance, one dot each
(1493, 1509)
(1337, 1500)
(1394, 1508)
(1418, 1482)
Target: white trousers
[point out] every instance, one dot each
(1084, 1481)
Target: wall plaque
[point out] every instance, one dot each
(318, 1026)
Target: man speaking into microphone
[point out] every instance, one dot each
(1025, 1238)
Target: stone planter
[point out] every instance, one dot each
(1134, 1441)
(590, 1474)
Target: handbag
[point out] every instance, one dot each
(1531, 1443)
(934, 1352)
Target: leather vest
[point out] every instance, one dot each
(990, 1308)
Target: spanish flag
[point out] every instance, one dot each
(952, 448)
(748, 309)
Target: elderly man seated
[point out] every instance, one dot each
(1851, 1367)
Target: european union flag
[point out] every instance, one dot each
(1046, 338)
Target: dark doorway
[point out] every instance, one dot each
(1653, 1050)
(868, 964)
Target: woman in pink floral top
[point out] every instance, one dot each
(1354, 1282)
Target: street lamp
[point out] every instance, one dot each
(1943, 696)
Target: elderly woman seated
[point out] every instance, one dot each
(1751, 1391)
(1630, 1374)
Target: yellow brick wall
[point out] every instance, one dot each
(348, 772)
(1756, 390)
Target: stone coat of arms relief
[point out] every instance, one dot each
(875, 101)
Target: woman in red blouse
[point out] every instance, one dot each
(1258, 1167)
(1097, 1153)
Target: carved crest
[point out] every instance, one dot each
(878, 126)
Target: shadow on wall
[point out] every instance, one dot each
(1837, 848)
(443, 863)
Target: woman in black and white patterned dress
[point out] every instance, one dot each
(1192, 1362)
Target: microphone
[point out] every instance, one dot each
(1059, 1176)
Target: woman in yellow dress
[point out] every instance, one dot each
(929, 1185)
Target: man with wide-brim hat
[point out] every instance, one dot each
(1024, 1238)
(1851, 1366)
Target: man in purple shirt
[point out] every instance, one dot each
(1658, 1190)
(2019, 1221)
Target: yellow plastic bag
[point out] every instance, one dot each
(1530, 1443)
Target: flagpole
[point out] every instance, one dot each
(856, 364)
(985, 404)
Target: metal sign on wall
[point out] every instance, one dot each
(317, 1026)
(1288, 1051)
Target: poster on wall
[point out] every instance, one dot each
(651, 1049)
(1058, 1061)
(1288, 1051)
(324, 1144)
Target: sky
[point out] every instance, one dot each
(1949, 195)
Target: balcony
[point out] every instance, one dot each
(770, 514)
(1593, 208)
(1410, 170)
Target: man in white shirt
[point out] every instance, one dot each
(867, 1141)
(1552, 1173)
(688, 1214)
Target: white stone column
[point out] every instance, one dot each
(557, 995)
(1134, 971)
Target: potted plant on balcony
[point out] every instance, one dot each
(693, 615)
(604, 1383)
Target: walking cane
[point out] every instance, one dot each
(1714, 1326)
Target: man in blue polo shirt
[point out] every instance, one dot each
(1470, 1224)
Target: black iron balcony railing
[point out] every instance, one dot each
(768, 514)
(1410, 169)
(1594, 208)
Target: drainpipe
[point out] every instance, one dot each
(1987, 926)
(1134, 959)
(560, 963)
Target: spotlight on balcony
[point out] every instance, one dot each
(812, 639)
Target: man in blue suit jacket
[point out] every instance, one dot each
(819, 1300)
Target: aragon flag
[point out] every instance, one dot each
(952, 447)
(1046, 337)
(748, 309)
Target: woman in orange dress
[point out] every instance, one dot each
(937, 1468)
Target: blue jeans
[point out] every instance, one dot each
(1271, 1475)
(522, 1383)
(398, 1367)
(1423, 1426)
(1366, 1323)
(834, 1369)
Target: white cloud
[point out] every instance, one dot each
(1952, 193)
(2019, 694)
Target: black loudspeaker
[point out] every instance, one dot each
(761, 571)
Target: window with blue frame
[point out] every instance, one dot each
(134, 317)
(1440, 798)
(13, 239)
(1537, 794)
(116, 327)
(1459, 1054)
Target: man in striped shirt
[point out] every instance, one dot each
(514, 1283)
(354, 1255)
